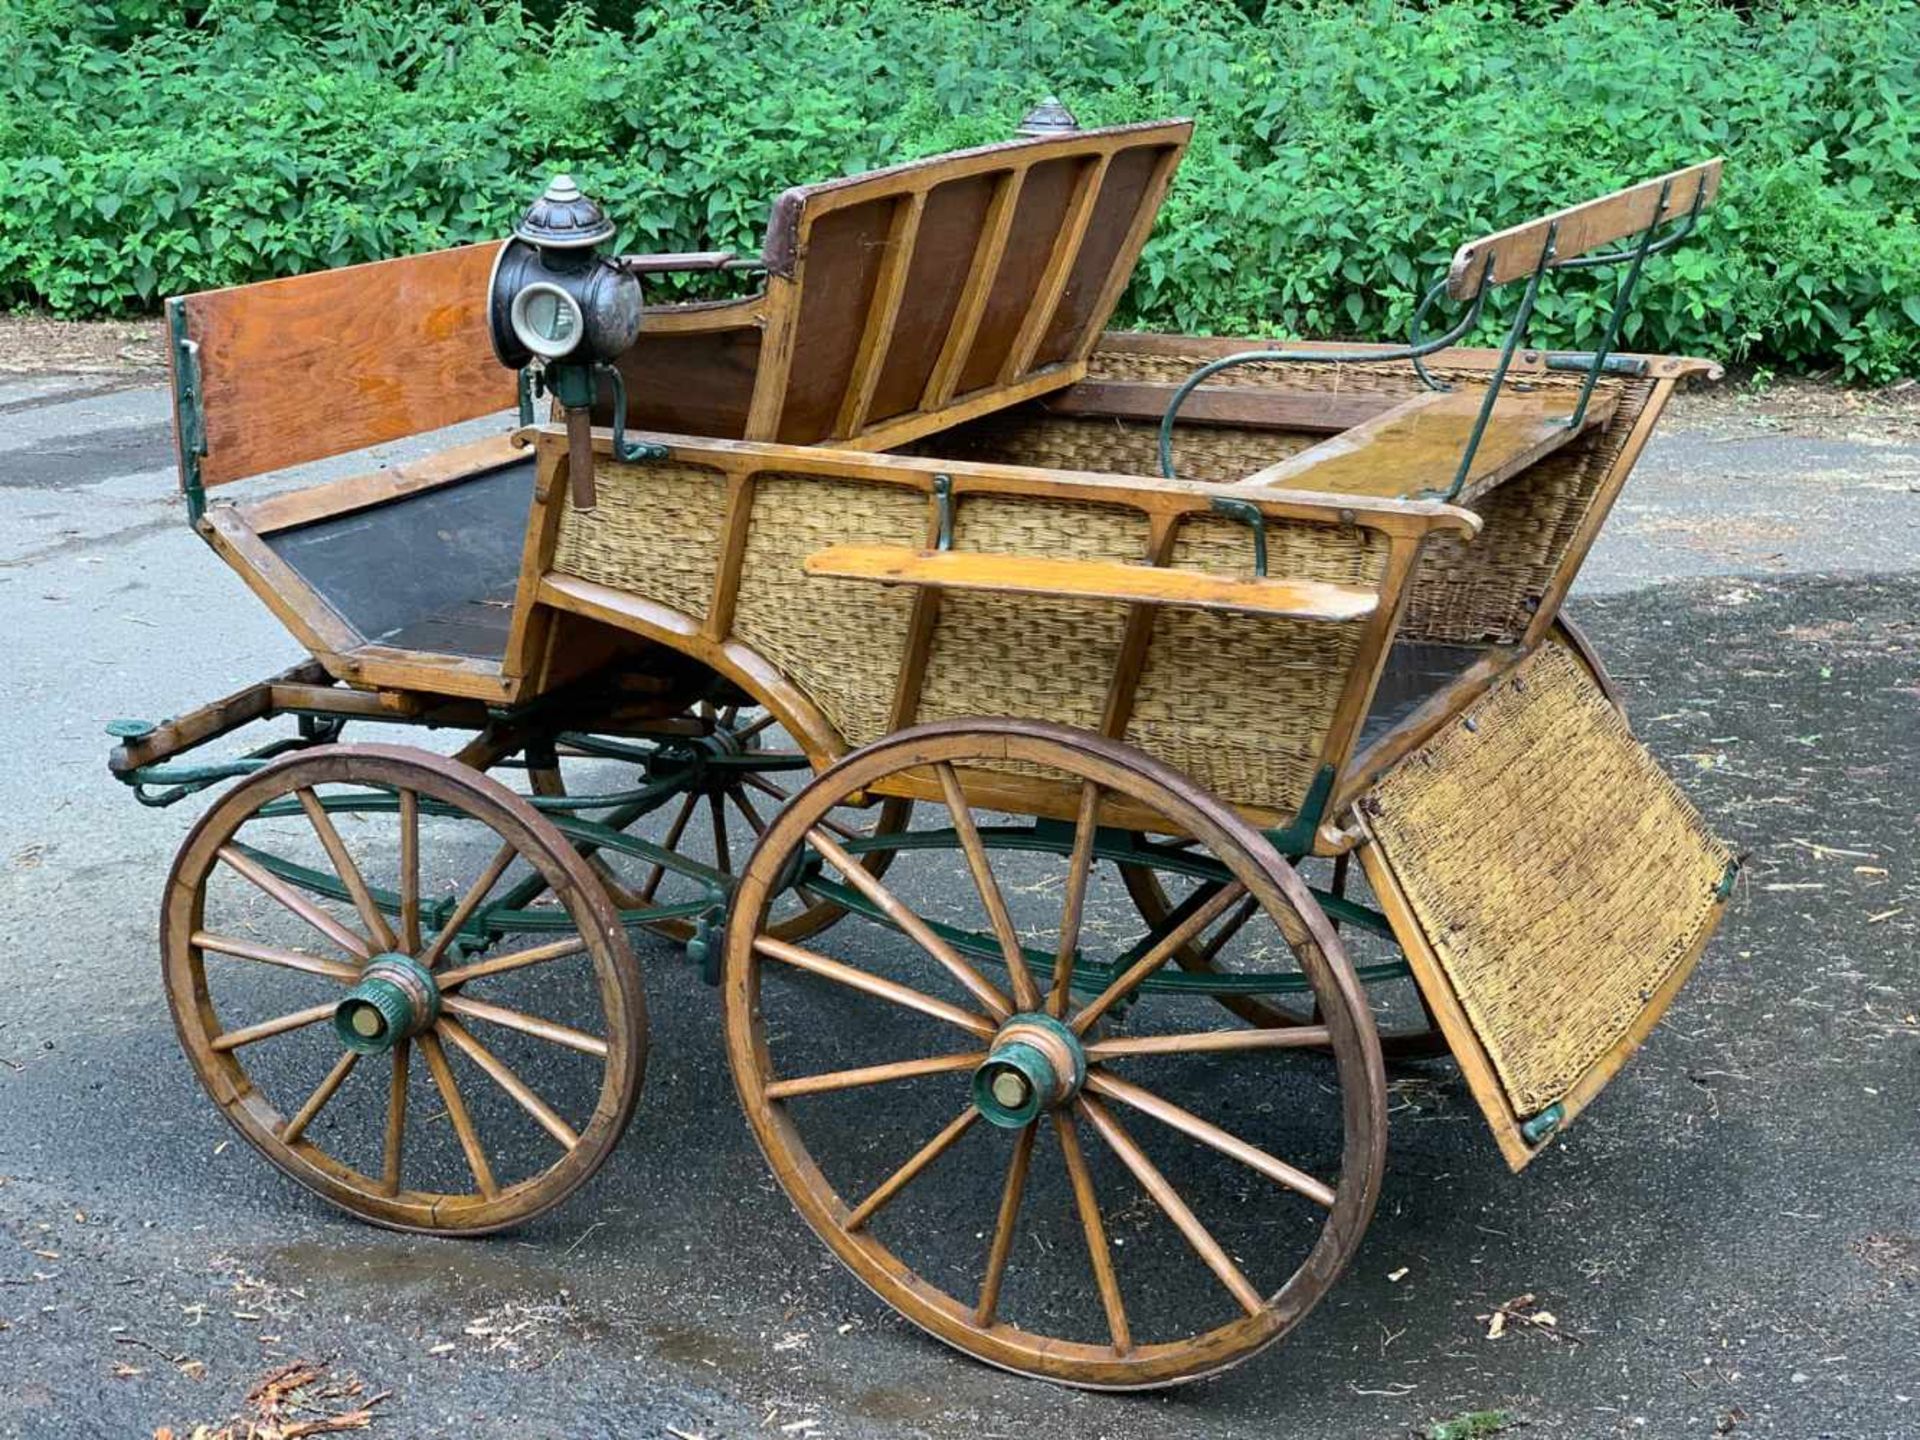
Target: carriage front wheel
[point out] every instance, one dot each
(403, 986)
(1006, 1113)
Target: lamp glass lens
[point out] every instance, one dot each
(547, 320)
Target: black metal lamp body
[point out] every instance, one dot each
(558, 298)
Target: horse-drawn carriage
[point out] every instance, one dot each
(993, 706)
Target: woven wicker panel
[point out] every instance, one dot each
(843, 642)
(1018, 655)
(1487, 588)
(1559, 875)
(1241, 702)
(1222, 453)
(654, 533)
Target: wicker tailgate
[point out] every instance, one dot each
(1563, 882)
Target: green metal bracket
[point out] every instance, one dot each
(1296, 836)
(1251, 514)
(525, 388)
(1542, 1127)
(189, 410)
(1728, 878)
(943, 503)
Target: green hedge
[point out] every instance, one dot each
(1343, 149)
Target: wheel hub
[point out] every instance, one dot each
(396, 997)
(1036, 1064)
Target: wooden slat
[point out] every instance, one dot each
(883, 313)
(1415, 448)
(973, 299)
(299, 369)
(1579, 228)
(1091, 580)
(1053, 280)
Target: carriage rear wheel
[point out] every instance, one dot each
(731, 777)
(384, 910)
(1052, 1242)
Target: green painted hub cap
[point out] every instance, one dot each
(395, 998)
(1036, 1064)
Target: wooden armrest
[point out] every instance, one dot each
(1091, 580)
(1581, 228)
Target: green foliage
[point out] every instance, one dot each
(1343, 149)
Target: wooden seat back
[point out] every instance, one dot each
(903, 300)
(1514, 253)
(281, 372)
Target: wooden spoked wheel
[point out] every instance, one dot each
(366, 1015)
(1057, 1239)
(1418, 1038)
(728, 778)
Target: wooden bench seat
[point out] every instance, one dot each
(1414, 449)
(1092, 580)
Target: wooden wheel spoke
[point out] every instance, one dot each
(1073, 904)
(549, 1030)
(1098, 1251)
(344, 867)
(722, 854)
(1025, 993)
(674, 831)
(410, 871)
(1003, 1230)
(1158, 954)
(1211, 1135)
(739, 797)
(502, 1075)
(1235, 923)
(1168, 1199)
(457, 1112)
(396, 1120)
(469, 903)
(274, 955)
(825, 822)
(841, 973)
(984, 991)
(873, 1075)
(275, 888)
(512, 960)
(765, 722)
(316, 1102)
(299, 1019)
(907, 1173)
(1279, 1038)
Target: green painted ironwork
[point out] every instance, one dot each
(1542, 1127)
(1018, 1080)
(1253, 515)
(394, 998)
(1516, 337)
(943, 506)
(1728, 878)
(189, 410)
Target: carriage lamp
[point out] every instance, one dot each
(559, 299)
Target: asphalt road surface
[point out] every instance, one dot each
(1729, 1241)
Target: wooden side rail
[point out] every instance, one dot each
(1092, 580)
(1515, 252)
